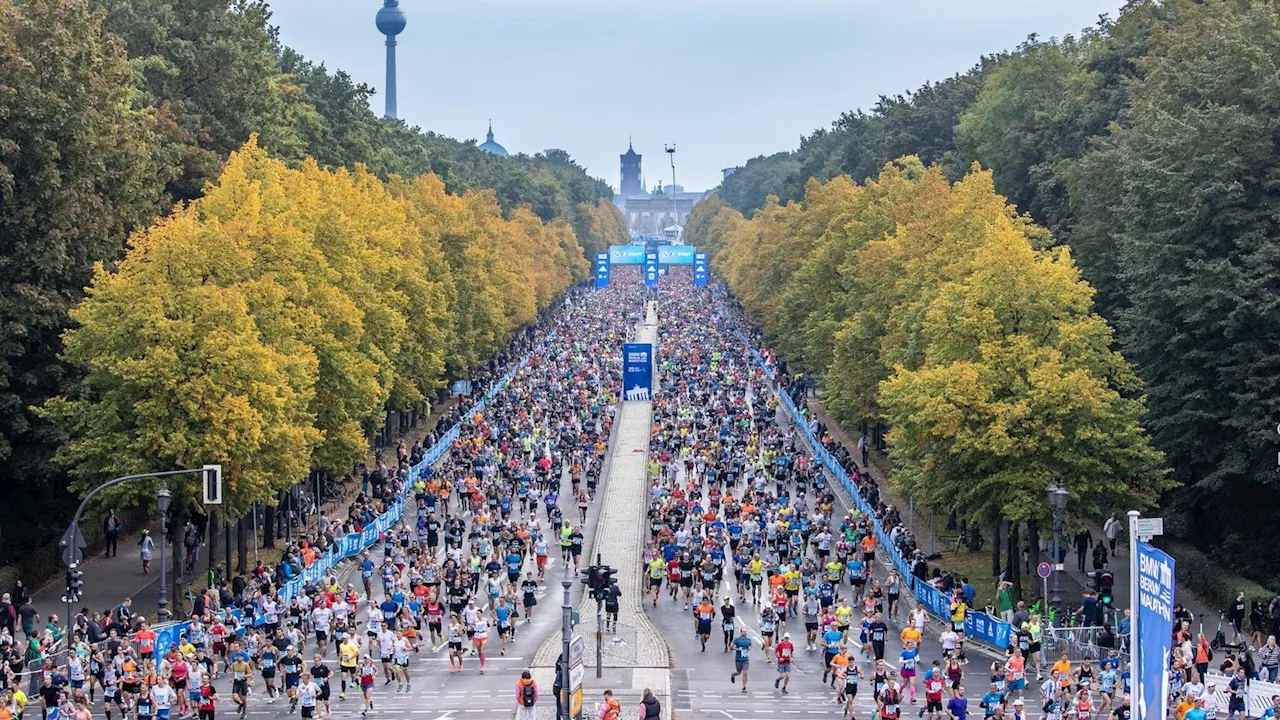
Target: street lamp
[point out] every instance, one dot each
(675, 210)
(163, 498)
(1057, 496)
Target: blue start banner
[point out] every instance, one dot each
(700, 269)
(602, 270)
(1155, 631)
(651, 269)
(637, 371)
(626, 254)
(675, 254)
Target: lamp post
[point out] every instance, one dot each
(675, 210)
(163, 498)
(1057, 496)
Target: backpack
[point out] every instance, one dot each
(527, 695)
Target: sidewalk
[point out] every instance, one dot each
(636, 657)
(109, 580)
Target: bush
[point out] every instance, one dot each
(1213, 583)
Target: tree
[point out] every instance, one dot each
(77, 172)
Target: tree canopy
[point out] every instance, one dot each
(1145, 145)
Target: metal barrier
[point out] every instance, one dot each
(1079, 643)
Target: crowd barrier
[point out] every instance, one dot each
(977, 625)
(353, 544)
(1257, 701)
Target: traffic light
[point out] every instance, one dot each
(1106, 584)
(591, 577)
(75, 584)
(607, 577)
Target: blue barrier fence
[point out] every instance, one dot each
(977, 625)
(353, 544)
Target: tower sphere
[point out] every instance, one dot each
(391, 19)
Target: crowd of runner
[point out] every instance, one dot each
(742, 521)
(462, 568)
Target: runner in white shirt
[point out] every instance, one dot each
(402, 649)
(164, 696)
(321, 620)
(308, 691)
(386, 650)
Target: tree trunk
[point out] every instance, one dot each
(211, 540)
(1015, 560)
(226, 548)
(1033, 545)
(952, 522)
(268, 526)
(179, 513)
(996, 547)
(242, 549)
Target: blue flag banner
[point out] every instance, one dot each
(602, 270)
(651, 269)
(977, 625)
(637, 371)
(1155, 631)
(700, 269)
(626, 254)
(675, 255)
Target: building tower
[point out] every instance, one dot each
(631, 185)
(391, 21)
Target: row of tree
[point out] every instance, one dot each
(114, 112)
(1147, 145)
(936, 307)
(268, 324)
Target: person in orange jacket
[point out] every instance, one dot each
(611, 709)
(526, 697)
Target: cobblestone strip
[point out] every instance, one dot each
(619, 539)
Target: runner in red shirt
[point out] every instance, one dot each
(784, 652)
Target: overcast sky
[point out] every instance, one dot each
(725, 80)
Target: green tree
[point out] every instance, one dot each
(77, 172)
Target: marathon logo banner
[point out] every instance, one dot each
(626, 254)
(675, 255)
(602, 270)
(637, 372)
(700, 269)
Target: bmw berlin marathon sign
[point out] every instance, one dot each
(637, 371)
(1155, 631)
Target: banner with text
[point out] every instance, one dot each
(651, 269)
(637, 371)
(1155, 630)
(626, 254)
(675, 254)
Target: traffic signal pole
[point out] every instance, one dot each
(599, 593)
(73, 543)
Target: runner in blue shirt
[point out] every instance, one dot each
(741, 657)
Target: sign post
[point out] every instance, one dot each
(577, 670)
(651, 269)
(1151, 587)
(1044, 570)
(602, 270)
(700, 269)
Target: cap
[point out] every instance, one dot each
(786, 636)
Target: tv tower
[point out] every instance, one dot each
(391, 21)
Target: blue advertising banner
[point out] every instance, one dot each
(651, 269)
(637, 371)
(1155, 631)
(626, 254)
(602, 270)
(700, 269)
(675, 254)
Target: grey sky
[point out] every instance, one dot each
(725, 80)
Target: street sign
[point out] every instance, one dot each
(1149, 527)
(72, 544)
(1044, 570)
(577, 654)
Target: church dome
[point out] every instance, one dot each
(492, 147)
